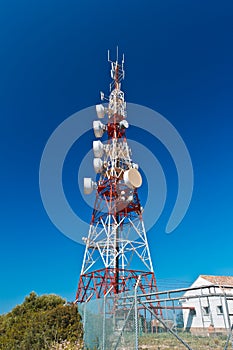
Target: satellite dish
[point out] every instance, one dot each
(132, 178)
(100, 110)
(98, 149)
(130, 198)
(98, 128)
(89, 185)
(98, 165)
(135, 165)
(124, 124)
(101, 95)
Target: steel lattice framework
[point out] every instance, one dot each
(116, 248)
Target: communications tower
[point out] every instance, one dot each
(116, 247)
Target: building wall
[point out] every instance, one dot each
(209, 310)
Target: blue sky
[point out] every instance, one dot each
(53, 63)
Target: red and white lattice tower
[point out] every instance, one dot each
(116, 248)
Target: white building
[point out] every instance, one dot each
(208, 305)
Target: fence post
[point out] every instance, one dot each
(104, 318)
(104, 322)
(229, 323)
(136, 312)
(84, 325)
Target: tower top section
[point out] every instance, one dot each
(116, 109)
(117, 71)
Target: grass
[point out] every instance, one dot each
(162, 341)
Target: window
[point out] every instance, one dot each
(206, 310)
(219, 310)
(193, 312)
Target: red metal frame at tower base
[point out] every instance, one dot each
(97, 283)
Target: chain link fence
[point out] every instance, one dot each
(177, 319)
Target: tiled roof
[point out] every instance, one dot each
(219, 280)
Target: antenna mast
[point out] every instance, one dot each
(116, 248)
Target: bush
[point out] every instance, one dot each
(39, 322)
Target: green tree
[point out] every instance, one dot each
(39, 322)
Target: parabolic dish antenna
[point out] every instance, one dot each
(89, 185)
(98, 165)
(132, 178)
(98, 128)
(98, 148)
